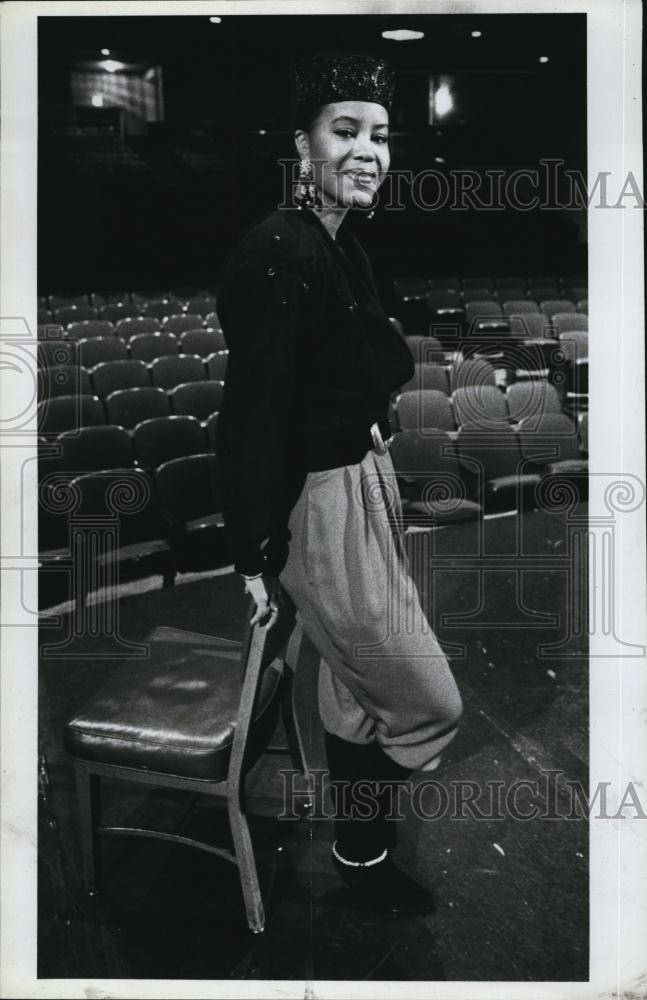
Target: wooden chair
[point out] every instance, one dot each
(195, 715)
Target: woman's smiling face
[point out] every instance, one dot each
(348, 147)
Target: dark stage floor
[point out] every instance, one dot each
(511, 894)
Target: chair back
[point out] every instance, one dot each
(263, 649)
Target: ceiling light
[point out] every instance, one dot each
(443, 101)
(439, 159)
(97, 100)
(476, 34)
(403, 35)
(111, 66)
(262, 131)
(215, 20)
(543, 59)
(105, 52)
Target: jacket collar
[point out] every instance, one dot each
(349, 253)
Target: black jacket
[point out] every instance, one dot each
(312, 362)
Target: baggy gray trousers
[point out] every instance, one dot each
(383, 675)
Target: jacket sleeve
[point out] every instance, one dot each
(263, 310)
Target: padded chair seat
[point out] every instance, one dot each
(175, 712)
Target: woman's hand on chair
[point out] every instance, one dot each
(267, 593)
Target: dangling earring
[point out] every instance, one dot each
(371, 211)
(308, 197)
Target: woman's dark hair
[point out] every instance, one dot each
(303, 118)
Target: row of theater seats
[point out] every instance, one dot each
(479, 407)
(126, 410)
(444, 478)
(507, 286)
(155, 316)
(102, 379)
(140, 298)
(90, 351)
(128, 407)
(173, 456)
(105, 527)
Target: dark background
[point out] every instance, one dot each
(164, 207)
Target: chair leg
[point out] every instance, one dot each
(89, 799)
(291, 723)
(288, 702)
(244, 851)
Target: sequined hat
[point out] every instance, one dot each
(330, 77)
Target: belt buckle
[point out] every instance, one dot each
(378, 441)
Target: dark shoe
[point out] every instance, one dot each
(365, 762)
(383, 886)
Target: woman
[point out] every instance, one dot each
(310, 501)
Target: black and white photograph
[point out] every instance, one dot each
(323, 598)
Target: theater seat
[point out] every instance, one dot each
(190, 493)
(176, 369)
(410, 288)
(109, 376)
(479, 406)
(428, 376)
(529, 401)
(482, 281)
(494, 466)
(516, 307)
(201, 305)
(64, 380)
(471, 371)
(217, 365)
(424, 409)
(552, 444)
(425, 350)
(470, 295)
(116, 311)
(203, 342)
(65, 315)
(61, 301)
(68, 412)
(100, 349)
(210, 428)
(123, 498)
(531, 325)
(149, 346)
(197, 399)
(575, 344)
(56, 352)
(90, 328)
(550, 307)
(511, 295)
(179, 323)
(159, 309)
(161, 439)
(429, 479)
(449, 284)
(145, 295)
(128, 407)
(571, 321)
(131, 326)
(93, 449)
